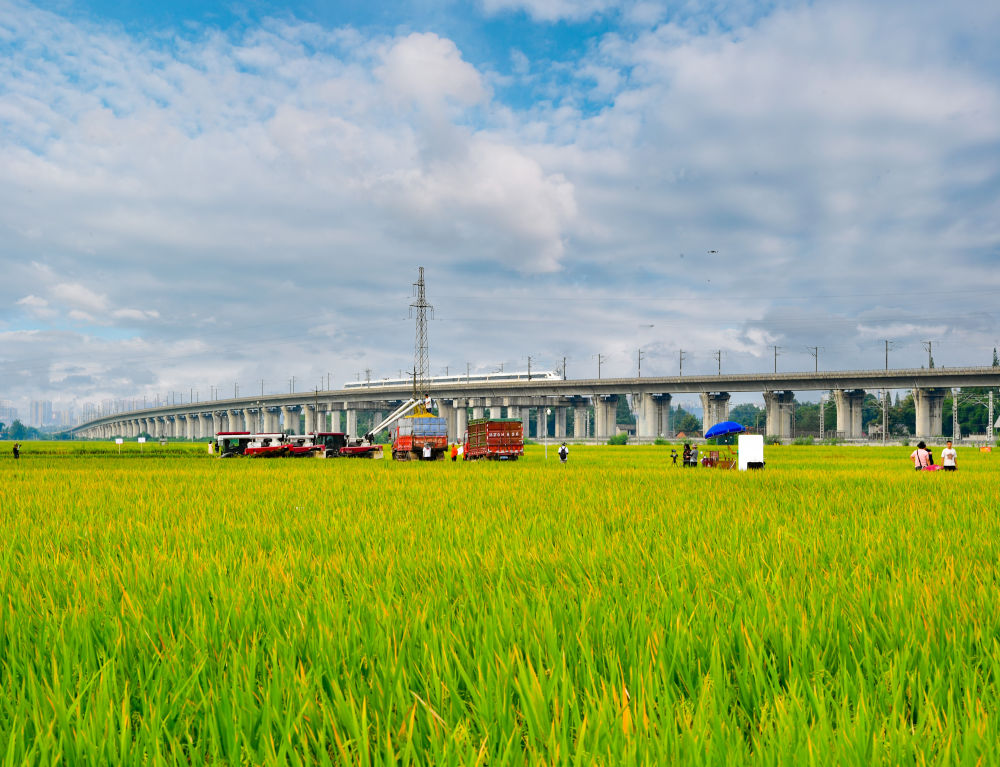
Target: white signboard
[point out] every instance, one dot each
(118, 440)
(141, 440)
(751, 450)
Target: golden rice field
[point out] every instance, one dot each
(170, 608)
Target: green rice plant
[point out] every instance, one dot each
(166, 607)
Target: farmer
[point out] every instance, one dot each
(686, 457)
(920, 457)
(949, 457)
(427, 452)
(563, 453)
(454, 451)
(17, 450)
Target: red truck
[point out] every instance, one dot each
(413, 433)
(497, 439)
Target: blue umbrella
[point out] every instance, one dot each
(723, 429)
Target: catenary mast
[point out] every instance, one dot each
(421, 358)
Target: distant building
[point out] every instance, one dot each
(8, 414)
(40, 413)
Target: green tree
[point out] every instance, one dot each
(996, 360)
(623, 416)
(747, 414)
(684, 421)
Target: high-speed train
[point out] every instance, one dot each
(522, 375)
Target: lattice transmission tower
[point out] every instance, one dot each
(421, 358)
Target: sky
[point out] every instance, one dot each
(200, 197)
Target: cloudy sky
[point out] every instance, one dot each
(194, 195)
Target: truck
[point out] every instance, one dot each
(495, 439)
(412, 433)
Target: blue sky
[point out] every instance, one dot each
(197, 194)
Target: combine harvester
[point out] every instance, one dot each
(232, 444)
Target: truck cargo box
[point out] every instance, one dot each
(499, 439)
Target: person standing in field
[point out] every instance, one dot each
(694, 456)
(454, 452)
(920, 457)
(17, 450)
(949, 457)
(686, 457)
(563, 453)
(427, 452)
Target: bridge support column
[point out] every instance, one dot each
(929, 404)
(310, 419)
(779, 413)
(461, 418)
(216, 423)
(477, 408)
(446, 410)
(541, 422)
(495, 410)
(715, 409)
(560, 424)
(849, 409)
(352, 424)
(335, 420)
(524, 413)
(652, 416)
(581, 415)
(289, 417)
(605, 415)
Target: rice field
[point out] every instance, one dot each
(166, 607)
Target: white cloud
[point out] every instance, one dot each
(430, 71)
(79, 297)
(551, 10)
(216, 190)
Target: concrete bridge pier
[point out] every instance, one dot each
(652, 416)
(849, 410)
(495, 408)
(446, 410)
(524, 413)
(581, 416)
(605, 415)
(560, 423)
(477, 408)
(779, 413)
(715, 409)
(335, 420)
(929, 404)
(286, 419)
(352, 424)
(461, 417)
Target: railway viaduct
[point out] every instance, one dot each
(337, 410)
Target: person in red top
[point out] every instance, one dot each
(454, 451)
